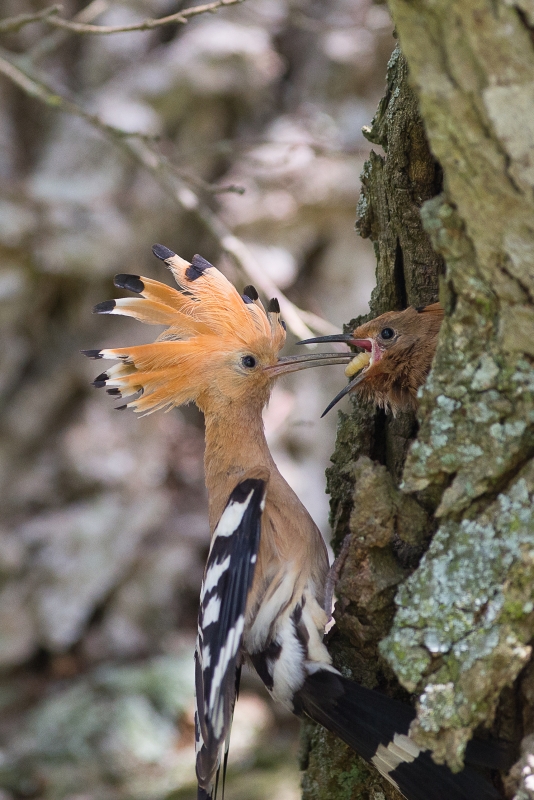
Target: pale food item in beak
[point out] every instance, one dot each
(358, 362)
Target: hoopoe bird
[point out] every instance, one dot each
(262, 596)
(398, 350)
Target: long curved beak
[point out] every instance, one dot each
(295, 363)
(348, 338)
(358, 379)
(336, 337)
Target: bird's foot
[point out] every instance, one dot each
(333, 576)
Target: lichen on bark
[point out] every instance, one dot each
(465, 615)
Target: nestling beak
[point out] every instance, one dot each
(366, 344)
(294, 363)
(348, 338)
(358, 379)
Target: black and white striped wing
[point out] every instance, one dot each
(223, 598)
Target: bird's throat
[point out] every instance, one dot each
(235, 444)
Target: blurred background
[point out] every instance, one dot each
(103, 531)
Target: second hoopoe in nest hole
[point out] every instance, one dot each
(398, 350)
(262, 596)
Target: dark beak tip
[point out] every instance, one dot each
(330, 406)
(348, 388)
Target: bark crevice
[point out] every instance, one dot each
(390, 531)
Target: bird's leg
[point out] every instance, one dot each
(333, 575)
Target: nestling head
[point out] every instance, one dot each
(219, 347)
(398, 350)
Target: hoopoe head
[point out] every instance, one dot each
(398, 350)
(219, 347)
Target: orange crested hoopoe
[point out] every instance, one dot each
(263, 589)
(398, 350)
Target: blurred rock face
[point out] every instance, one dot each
(104, 531)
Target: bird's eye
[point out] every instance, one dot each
(387, 333)
(248, 361)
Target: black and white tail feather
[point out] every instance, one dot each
(377, 727)
(227, 580)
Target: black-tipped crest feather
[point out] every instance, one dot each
(198, 266)
(100, 380)
(104, 308)
(132, 283)
(251, 292)
(162, 252)
(274, 306)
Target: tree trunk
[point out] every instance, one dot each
(459, 637)
(389, 529)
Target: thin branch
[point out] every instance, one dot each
(146, 25)
(45, 94)
(47, 44)
(225, 188)
(181, 17)
(229, 244)
(187, 199)
(14, 24)
(208, 188)
(49, 16)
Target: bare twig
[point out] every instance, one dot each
(49, 43)
(208, 188)
(181, 17)
(14, 24)
(225, 188)
(45, 94)
(228, 243)
(187, 199)
(49, 15)
(293, 315)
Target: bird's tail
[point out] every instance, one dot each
(376, 727)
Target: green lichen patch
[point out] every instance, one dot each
(464, 619)
(478, 421)
(477, 407)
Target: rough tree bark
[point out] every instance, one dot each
(389, 528)
(459, 640)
